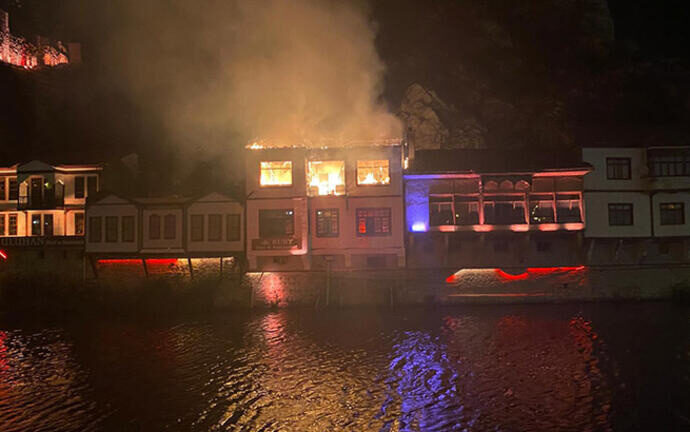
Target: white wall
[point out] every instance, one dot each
(597, 213)
(112, 207)
(299, 205)
(162, 244)
(222, 208)
(596, 180)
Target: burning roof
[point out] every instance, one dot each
(259, 144)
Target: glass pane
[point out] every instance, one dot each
(277, 173)
(373, 172)
(326, 177)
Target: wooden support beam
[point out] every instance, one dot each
(191, 269)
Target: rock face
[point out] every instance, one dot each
(420, 109)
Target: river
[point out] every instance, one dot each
(586, 367)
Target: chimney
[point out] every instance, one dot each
(4, 22)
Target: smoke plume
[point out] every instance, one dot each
(290, 72)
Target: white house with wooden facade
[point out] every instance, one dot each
(209, 226)
(637, 203)
(42, 200)
(316, 208)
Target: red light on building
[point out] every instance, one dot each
(160, 261)
(3, 254)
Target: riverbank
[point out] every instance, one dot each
(172, 291)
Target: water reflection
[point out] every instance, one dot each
(484, 368)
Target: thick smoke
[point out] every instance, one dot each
(291, 72)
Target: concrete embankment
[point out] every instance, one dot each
(208, 284)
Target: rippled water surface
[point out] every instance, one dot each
(498, 368)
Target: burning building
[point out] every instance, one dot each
(310, 208)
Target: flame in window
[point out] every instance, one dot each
(326, 177)
(373, 172)
(278, 173)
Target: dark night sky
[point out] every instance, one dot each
(93, 113)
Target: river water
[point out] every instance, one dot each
(498, 368)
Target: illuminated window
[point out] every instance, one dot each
(373, 172)
(277, 173)
(276, 223)
(326, 177)
(36, 225)
(327, 223)
(48, 225)
(373, 222)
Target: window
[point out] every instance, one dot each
(276, 173)
(79, 224)
(48, 225)
(14, 189)
(232, 227)
(506, 212)
(3, 191)
(541, 211)
(276, 223)
(91, 185)
(618, 168)
(327, 223)
(2, 224)
(325, 178)
(620, 214)
(154, 227)
(79, 187)
(441, 210)
(128, 229)
(12, 225)
(466, 211)
(95, 229)
(568, 208)
(36, 225)
(373, 172)
(672, 213)
(111, 229)
(215, 227)
(197, 231)
(453, 210)
(373, 222)
(169, 227)
(669, 162)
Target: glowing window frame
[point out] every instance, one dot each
(313, 163)
(261, 171)
(357, 168)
